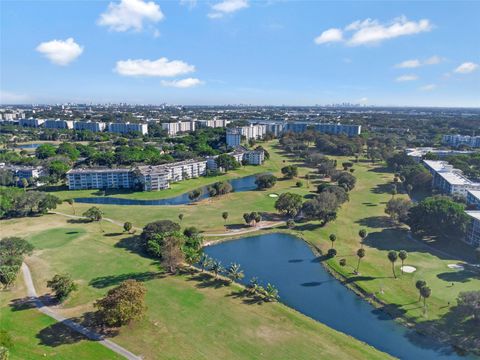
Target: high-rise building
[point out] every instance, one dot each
(58, 124)
(125, 128)
(180, 126)
(233, 137)
(89, 125)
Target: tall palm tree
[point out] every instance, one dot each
(402, 254)
(393, 256)
(271, 293)
(332, 238)
(205, 262)
(234, 272)
(225, 217)
(363, 234)
(216, 268)
(419, 285)
(361, 254)
(425, 292)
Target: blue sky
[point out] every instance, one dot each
(241, 52)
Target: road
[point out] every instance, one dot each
(92, 335)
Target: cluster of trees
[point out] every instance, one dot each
(220, 188)
(62, 285)
(12, 251)
(324, 206)
(164, 240)
(413, 175)
(289, 171)
(328, 144)
(423, 291)
(265, 181)
(18, 203)
(469, 164)
(234, 273)
(252, 218)
(227, 162)
(438, 216)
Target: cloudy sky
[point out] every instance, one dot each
(241, 52)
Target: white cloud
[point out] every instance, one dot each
(428, 87)
(371, 32)
(330, 35)
(183, 83)
(227, 7)
(130, 14)
(161, 67)
(414, 63)
(409, 64)
(60, 52)
(466, 67)
(433, 60)
(188, 3)
(406, 78)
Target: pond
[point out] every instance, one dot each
(28, 146)
(288, 263)
(246, 183)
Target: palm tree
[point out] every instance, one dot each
(363, 234)
(425, 292)
(180, 217)
(271, 293)
(361, 254)
(234, 272)
(225, 216)
(24, 184)
(253, 286)
(70, 202)
(419, 285)
(205, 262)
(332, 238)
(217, 268)
(393, 256)
(402, 254)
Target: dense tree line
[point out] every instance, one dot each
(12, 252)
(18, 203)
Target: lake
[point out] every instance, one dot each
(246, 183)
(288, 263)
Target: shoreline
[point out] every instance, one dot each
(432, 332)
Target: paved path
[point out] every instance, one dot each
(92, 335)
(264, 225)
(83, 217)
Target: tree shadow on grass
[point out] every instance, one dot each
(110, 280)
(79, 221)
(376, 222)
(112, 234)
(59, 334)
(382, 189)
(205, 280)
(27, 302)
(461, 330)
(356, 278)
(308, 227)
(389, 312)
(461, 276)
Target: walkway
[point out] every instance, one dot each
(92, 335)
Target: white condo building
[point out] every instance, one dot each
(215, 123)
(457, 140)
(58, 124)
(31, 122)
(125, 128)
(89, 125)
(449, 180)
(180, 126)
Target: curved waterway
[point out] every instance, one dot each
(246, 183)
(288, 263)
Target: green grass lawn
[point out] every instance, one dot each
(36, 336)
(210, 322)
(187, 318)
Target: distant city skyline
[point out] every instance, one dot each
(235, 52)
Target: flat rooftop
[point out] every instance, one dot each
(474, 214)
(475, 193)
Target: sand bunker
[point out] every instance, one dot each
(408, 269)
(273, 195)
(455, 266)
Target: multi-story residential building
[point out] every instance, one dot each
(24, 172)
(180, 126)
(457, 140)
(101, 178)
(31, 122)
(233, 137)
(58, 124)
(152, 178)
(214, 123)
(473, 232)
(187, 169)
(418, 153)
(89, 125)
(253, 131)
(327, 128)
(473, 199)
(254, 157)
(275, 128)
(449, 180)
(125, 128)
